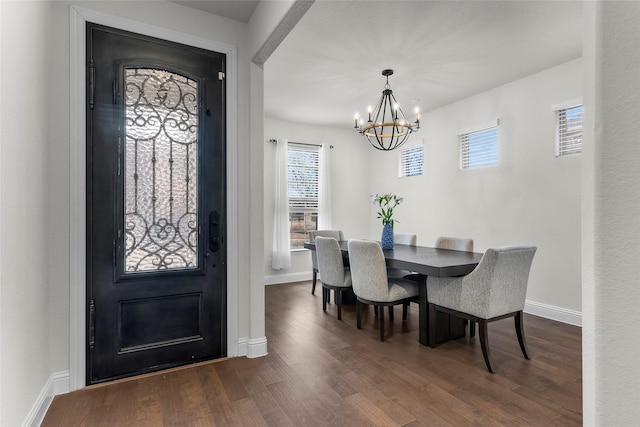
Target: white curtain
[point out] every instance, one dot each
(324, 189)
(281, 254)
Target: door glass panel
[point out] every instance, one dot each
(160, 171)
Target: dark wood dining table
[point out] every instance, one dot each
(425, 261)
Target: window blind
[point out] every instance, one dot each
(569, 131)
(302, 179)
(411, 161)
(478, 149)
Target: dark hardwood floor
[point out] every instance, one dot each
(321, 371)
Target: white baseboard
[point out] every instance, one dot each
(558, 314)
(252, 348)
(257, 347)
(288, 278)
(58, 383)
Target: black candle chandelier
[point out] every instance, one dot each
(387, 128)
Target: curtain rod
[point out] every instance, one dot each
(273, 141)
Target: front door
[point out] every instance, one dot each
(156, 204)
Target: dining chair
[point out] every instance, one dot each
(402, 239)
(333, 275)
(455, 243)
(494, 290)
(372, 286)
(336, 234)
(458, 244)
(405, 238)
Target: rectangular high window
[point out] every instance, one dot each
(479, 148)
(302, 180)
(569, 131)
(411, 161)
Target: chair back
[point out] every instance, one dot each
(454, 243)
(500, 280)
(336, 234)
(368, 270)
(330, 263)
(405, 239)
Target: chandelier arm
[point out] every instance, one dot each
(376, 110)
(399, 109)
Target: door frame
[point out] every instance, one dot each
(79, 16)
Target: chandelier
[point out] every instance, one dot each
(387, 128)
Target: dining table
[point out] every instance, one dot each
(425, 262)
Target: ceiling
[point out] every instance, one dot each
(239, 10)
(329, 66)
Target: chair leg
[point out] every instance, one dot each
(313, 284)
(338, 299)
(381, 323)
(432, 325)
(390, 313)
(484, 343)
(375, 310)
(405, 308)
(325, 291)
(519, 321)
(472, 328)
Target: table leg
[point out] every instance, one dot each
(423, 310)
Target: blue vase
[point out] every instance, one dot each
(387, 236)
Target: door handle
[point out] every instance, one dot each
(214, 231)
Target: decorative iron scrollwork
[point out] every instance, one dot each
(161, 157)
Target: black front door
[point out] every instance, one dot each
(156, 204)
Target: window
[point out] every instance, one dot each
(302, 180)
(411, 161)
(569, 131)
(479, 148)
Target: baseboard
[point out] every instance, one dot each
(558, 314)
(252, 348)
(257, 347)
(58, 383)
(288, 278)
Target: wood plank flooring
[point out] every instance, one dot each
(321, 371)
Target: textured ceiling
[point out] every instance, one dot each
(329, 66)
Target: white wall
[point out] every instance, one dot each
(35, 197)
(349, 188)
(531, 197)
(611, 232)
(32, 231)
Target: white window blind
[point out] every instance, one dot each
(569, 131)
(302, 182)
(478, 149)
(411, 161)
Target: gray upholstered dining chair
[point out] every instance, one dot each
(371, 285)
(494, 290)
(402, 239)
(458, 244)
(336, 234)
(332, 272)
(405, 239)
(454, 243)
